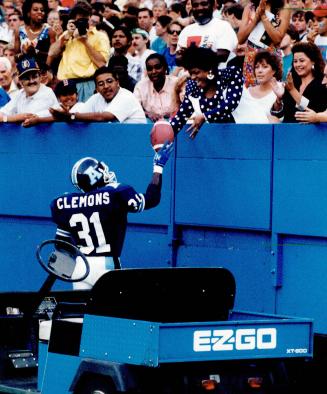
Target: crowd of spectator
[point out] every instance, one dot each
(138, 61)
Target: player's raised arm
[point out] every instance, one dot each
(153, 192)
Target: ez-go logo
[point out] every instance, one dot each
(241, 339)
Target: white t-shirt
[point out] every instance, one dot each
(217, 34)
(37, 104)
(124, 106)
(142, 58)
(78, 107)
(152, 34)
(258, 33)
(321, 42)
(252, 109)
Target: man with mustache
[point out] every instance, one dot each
(33, 98)
(208, 32)
(111, 103)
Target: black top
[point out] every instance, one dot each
(315, 92)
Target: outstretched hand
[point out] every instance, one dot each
(198, 120)
(161, 157)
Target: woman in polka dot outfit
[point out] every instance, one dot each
(211, 94)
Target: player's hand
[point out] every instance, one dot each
(161, 157)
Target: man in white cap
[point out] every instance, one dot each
(140, 43)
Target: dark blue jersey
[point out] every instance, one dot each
(96, 221)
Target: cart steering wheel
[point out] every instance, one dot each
(61, 260)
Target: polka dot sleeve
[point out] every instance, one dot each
(185, 110)
(230, 81)
(217, 109)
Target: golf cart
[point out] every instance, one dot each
(158, 331)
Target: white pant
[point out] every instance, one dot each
(98, 267)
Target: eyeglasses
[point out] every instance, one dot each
(154, 67)
(178, 32)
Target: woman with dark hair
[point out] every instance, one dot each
(303, 87)
(263, 26)
(257, 101)
(35, 36)
(211, 94)
(155, 91)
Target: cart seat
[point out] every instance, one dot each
(164, 294)
(46, 325)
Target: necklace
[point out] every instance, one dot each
(35, 32)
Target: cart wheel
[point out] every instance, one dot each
(95, 385)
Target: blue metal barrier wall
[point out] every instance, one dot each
(250, 198)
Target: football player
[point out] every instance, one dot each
(95, 218)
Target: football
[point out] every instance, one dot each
(161, 132)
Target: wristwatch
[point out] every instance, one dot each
(72, 116)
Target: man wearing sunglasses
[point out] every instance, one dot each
(174, 30)
(33, 98)
(208, 32)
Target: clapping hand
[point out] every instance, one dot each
(289, 85)
(312, 35)
(57, 28)
(277, 87)
(260, 11)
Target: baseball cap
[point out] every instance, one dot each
(320, 10)
(142, 32)
(65, 87)
(26, 65)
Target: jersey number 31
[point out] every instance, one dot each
(84, 234)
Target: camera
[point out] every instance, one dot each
(82, 26)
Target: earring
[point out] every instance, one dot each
(313, 67)
(210, 75)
